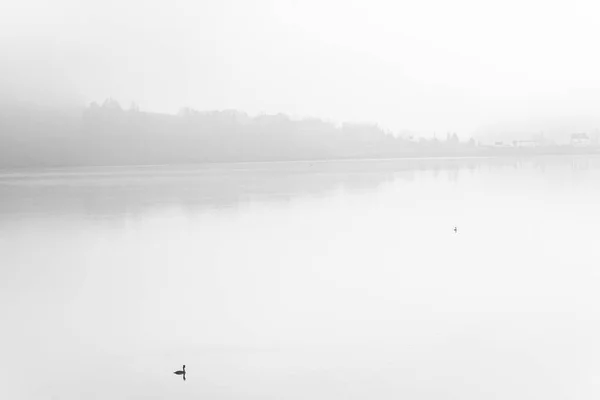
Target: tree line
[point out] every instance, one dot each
(108, 134)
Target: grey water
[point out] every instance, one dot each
(308, 280)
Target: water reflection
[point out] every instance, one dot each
(318, 280)
(109, 192)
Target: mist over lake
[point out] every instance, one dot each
(299, 200)
(320, 280)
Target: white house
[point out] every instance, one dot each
(580, 139)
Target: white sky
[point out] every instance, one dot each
(423, 65)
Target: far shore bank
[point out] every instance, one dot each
(481, 153)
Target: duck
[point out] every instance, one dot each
(455, 230)
(182, 372)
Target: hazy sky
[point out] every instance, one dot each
(424, 65)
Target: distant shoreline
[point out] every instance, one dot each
(108, 136)
(480, 154)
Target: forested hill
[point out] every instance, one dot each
(107, 134)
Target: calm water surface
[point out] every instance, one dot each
(337, 280)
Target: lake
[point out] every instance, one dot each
(303, 280)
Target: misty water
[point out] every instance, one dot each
(312, 280)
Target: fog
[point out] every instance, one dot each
(291, 198)
(426, 66)
(341, 280)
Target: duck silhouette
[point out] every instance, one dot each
(182, 372)
(455, 230)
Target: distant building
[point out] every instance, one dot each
(580, 139)
(525, 143)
